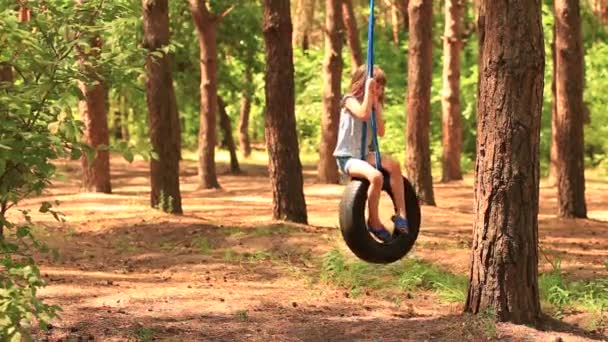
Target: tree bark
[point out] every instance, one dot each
(394, 14)
(124, 118)
(452, 126)
(305, 14)
(352, 34)
(284, 165)
(402, 8)
(244, 140)
(332, 76)
(570, 112)
(504, 267)
(94, 113)
(418, 156)
(206, 26)
(553, 152)
(93, 109)
(228, 140)
(162, 108)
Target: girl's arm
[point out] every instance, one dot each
(362, 111)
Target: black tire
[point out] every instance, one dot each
(354, 228)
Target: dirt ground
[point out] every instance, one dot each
(225, 272)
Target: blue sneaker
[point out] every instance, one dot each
(401, 224)
(380, 233)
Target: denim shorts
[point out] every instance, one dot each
(343, 164)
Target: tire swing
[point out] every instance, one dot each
(352, 206)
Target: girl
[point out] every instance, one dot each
(357, 108)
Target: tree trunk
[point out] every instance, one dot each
(228, 140)
(600, 8)
(553, 152)
(418, 156)
(332, 76)
(504, 267)
(245, 111)
(116, 128)
(94, 113)
(305, 14)
(206, 26)
(124, 112)
(352, 33)
(162, 108)
(570, 113)
(284, 164)
(452, 126)
(394, 14)
(402, 8)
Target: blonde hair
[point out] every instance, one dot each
(357, 83)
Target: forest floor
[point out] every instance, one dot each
(225, 272)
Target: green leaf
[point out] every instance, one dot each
(128, 155)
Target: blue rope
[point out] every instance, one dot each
(370, 74)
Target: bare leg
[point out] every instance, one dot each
(396, 180)
(362, 169)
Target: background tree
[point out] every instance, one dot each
(244, 141)
(305, 14)
(452, 126)
(228, 140)
(284, 164)
(206, 26)
(162, 109)
(418, 155)
(332, 75)
(352, 33)
(504, 268)
(403, 14)
(569, 110)
(94, 113)
(600, 7)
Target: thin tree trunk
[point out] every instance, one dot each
(553, 152)
(394, 14)
(332, 76)
(245, 143)
(570, 111)
(402, 8)
(94, 114)
(206, 26)
(162, 108)
(504, 267)
(284, 165)
(600, 8)
(228, 140)
(452, 126)
(352, 33)
(420, 66)
(305, 14)
(124, 110)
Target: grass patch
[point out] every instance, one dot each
(143, 334)
(272, 230)
(260, 231)
(232, 256)
(166, 246)
(242, 315)
(202, 245)
(408, 274)
(557, 294)
(123, 244)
